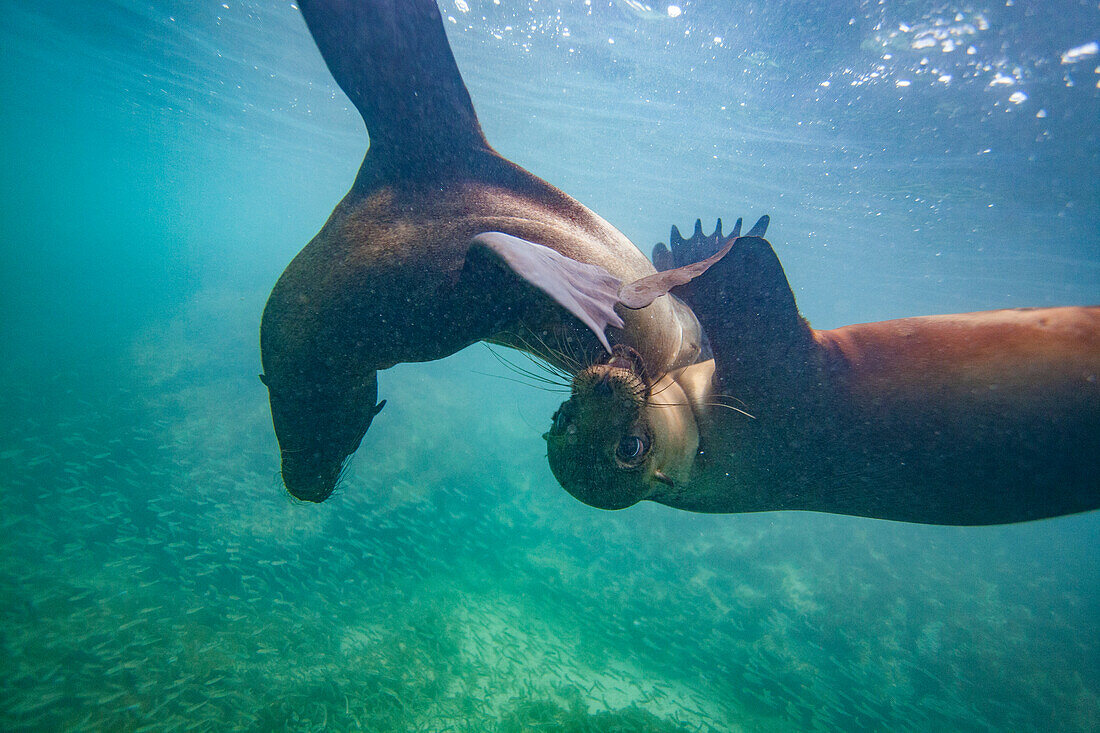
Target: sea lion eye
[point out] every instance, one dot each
(631, 448)
(560, 420)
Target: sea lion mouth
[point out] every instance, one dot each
(620, 362)
(621, 375)
(624, 357)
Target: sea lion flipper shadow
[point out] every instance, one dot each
(587, 291)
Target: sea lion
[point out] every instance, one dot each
(967, 419)
(440, 243)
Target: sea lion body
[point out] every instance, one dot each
(403, 270)
(966, 419)
(978, 418)
(414, 240)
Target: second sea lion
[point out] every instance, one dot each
(966, 419)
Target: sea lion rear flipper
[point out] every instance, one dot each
(686, 260)
(587, 291)
(742, 299)
(392, 59)
(759, 229)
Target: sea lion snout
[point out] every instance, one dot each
(318, 430)
(624, 358)
(309, 479)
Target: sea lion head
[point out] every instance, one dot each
(621, 438)
(318, 433)
(320, 413)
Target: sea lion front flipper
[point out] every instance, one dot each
(587, 291)
(641, 293)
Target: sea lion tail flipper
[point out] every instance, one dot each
(392, 59)
(587, 291)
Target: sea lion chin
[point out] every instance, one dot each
(620, 439)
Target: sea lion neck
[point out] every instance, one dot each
(386, 164)
(674, 421)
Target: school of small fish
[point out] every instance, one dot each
(155, 577)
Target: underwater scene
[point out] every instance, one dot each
(163, 162)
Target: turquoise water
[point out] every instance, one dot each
(163, 161)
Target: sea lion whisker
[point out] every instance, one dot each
(537, 380)
(558, 389)
(729, 397)
(507, 363)
(345, 467)
(550, 367)
(542, 354)
(563, 350)
(526, 345)
(568, 348)
(731, 407)
(662, 389)
(551, 377)
(669, 404)
(708, 404)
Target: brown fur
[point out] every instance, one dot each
(975, 418)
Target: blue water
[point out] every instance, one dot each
(163, 161)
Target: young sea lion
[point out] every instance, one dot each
(975, 418)
(440, 243)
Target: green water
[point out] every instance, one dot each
(161, 164)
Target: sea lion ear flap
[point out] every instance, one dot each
(589, 292)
